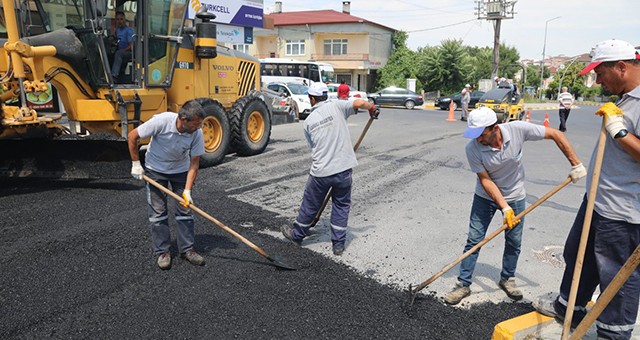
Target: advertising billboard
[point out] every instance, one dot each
(245, 13)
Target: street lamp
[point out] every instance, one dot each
(544, 47)
(564, 71)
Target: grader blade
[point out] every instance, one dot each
(65, 158)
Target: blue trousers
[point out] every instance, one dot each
(482, 211)
(158, 215)
(609, 245)
(314, 193)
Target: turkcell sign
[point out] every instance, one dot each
(247, 13)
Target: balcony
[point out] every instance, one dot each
(340, 57)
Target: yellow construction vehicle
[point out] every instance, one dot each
(69, 45)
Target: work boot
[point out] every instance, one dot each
(193, 257)
(546, 307)
(288, 233)
(509, 287)
(164, 261)
(552, 308)
(338, 250)
(458, 293)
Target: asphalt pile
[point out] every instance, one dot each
(77, 263)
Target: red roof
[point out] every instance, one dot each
(316, 17)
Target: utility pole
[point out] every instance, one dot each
(495, 10)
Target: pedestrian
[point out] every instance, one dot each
(566, 101)
(124, 37)
(494, 153)
(343, 90)
(615, 224)
(333, 158)
(172, 159)
(465, 98)
(496, 80)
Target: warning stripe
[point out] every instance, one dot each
(247, 76)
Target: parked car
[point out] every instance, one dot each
(297, 91)
(443, 102)
(353, 93)
(396, 96)
(279, 103)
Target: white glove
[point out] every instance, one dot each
(136, 170)
(577, 171)
(186, 196)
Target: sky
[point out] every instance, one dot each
(581, 25)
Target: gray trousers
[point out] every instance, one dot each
(158, 215)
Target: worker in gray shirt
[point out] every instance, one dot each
(495, 156)
(333, 158)
(172, 159)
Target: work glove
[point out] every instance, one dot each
(509, 217)
(186, 196)
(374, 112)
(136, 170)
(577, 172)
(613, 120)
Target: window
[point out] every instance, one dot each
(244, 48)
(295, 47)
(335, 46)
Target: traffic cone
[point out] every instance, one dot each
(452, 117)
(546, 119)
(528, 116)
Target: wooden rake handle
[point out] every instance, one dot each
(586, 225)
(207, 216)
(490, 237)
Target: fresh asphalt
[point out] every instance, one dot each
(77, 260)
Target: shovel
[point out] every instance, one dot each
(326, 198)
(274, 260)
(414, 292)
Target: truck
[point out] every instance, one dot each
(69, 45)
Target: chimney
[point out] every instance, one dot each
(346, 7)
(278, 8)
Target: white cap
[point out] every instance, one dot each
(496, 78)
(478, 120)
(318, 89)
(467, 85)
(610, 50)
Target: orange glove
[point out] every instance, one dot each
(186, 196)
(613, 120)
(509, 217)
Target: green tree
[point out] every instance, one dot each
(400, 66)
(445, 68)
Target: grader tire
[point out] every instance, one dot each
(216, 132)
(250, 126)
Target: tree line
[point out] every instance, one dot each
(451, 65)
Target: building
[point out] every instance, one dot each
(355, 47)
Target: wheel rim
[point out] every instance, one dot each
(212, 133)
(255, 126)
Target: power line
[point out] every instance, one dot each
(438, 27)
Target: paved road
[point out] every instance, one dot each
(77, 261)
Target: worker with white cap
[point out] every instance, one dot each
(333, 158)
(614, 233)
(465, 98)
(494, 154)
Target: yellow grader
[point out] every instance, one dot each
(68, 45)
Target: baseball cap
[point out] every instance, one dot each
(478, 120)
(318, 89)
(467, 85)
(610, 50)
